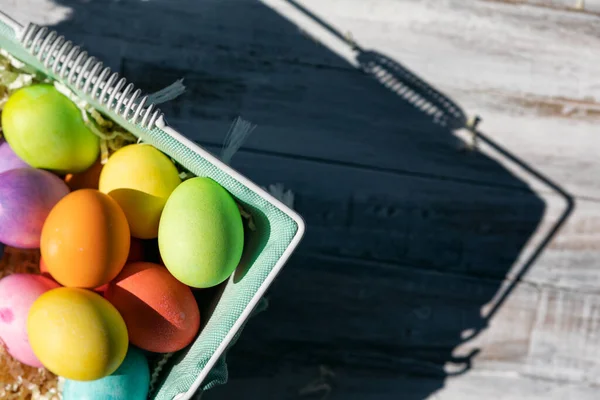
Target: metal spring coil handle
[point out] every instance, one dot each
(87, 74)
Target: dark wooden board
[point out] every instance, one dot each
(412, 240)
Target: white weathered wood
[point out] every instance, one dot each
(349, 385)
(571, 5)
(565, 338)
(411, 240)
(508, 64)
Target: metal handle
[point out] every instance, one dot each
(73, 66)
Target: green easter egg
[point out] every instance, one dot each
(201, 234)
(46, 130)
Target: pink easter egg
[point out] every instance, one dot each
(17, 294)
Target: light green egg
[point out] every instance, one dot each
(201, 234)
(46, 130)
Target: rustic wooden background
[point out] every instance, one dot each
(429, 269)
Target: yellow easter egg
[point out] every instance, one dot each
(77, 334)
(140, 178)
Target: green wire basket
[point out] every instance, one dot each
(278, 232)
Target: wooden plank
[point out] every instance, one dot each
(317, 383)
(304, 105)
(511, 80)
(411, 241)
(37, 11)
(565, 341)
(461, 227)
(372, 316)
(387, 321)
(416, 221)
(590, 6)
(319, 113)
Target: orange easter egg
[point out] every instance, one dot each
(85, 239)
(43, 267)
(160, 312)
(44, 272)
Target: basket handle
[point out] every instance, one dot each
(14, 25)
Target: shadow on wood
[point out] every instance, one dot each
(409, 234)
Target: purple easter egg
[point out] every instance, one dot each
(26, 197)
(8, 159)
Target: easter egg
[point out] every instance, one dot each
(140, 178)
(77, 334)
(85, 239)
(44, 271)
(201, 234)
(88, 179)
(130, 381)
(8, 159)
(46, 130)
(26, 197)
(161, 313)
(17, 294)
(43, 267)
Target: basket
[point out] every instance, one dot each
(278, 231)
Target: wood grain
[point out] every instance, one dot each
(308, 383)
(428, 270)
(583, 6)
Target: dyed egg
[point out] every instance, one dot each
(46, 130)
(161, 313)
(140, 178)
(85, 239)
(77, 334)
(26, 197)
(88, 179)
(8, 159)
(44, 271)
(17, 294)
(201, 234)
(130, 381)
(44, 268)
